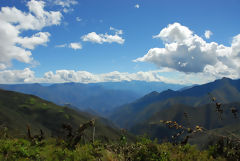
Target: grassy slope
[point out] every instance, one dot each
(204, 116)
(17, 110)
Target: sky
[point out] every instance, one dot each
(172, 41)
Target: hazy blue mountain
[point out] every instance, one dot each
(96, 97)
(83, 96)
(225, 90)
(141, 87)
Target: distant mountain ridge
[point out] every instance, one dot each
(97, 97)
(141, 87)
(225, 90)
(82, 96)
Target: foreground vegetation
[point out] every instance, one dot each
(142, 150)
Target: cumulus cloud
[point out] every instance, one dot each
(208, 34)
(75, 46)
(17, 76)
(39, 38)
(14, 22)
(36, 19)
(61, 76)
(137, 6)
(104, 38)
(186, 52)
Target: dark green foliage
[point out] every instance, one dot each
(143, 150)
(227, 148)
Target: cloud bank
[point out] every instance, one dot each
(187, 52)
(61, 76)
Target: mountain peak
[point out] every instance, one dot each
(168, 91)
(153, 93)
(226, 78)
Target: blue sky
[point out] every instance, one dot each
(111, 40)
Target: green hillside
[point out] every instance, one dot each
(19, 110)
(205, 116)
(82, 96)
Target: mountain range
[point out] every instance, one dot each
(139, 115)
(100, 98)
(87, 97)
(141, 87)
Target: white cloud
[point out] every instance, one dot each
(208, 34)
(36, 19)
(14, 22)
(17, 76)
(75, 46)
(2, 66)
(118, 32)
(66, 10)
(61, 76)
(187, 52)
(39, 38)
(137, 6)
(104, 38)
(78, 19)
(66, 5)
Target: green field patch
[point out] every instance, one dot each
(24, 106)
(32, 100)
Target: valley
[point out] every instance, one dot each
(189, 107)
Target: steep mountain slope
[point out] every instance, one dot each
(18, 110)
(204, 140)
(204, 116)
(83, 96)
(225, 90)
